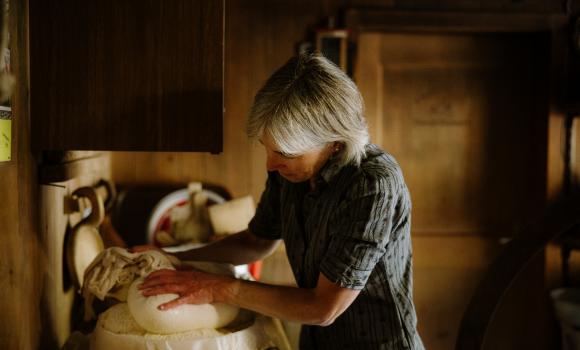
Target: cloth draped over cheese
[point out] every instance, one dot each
(116, 273)
(113, 271)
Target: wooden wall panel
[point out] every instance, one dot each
(467, 5)
(21, 256)
(446, 271)
(464, 116)
(574, 153)
(260, 36)
(131, 75)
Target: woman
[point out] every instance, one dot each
(342, 208)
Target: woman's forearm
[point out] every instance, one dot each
(288, 303)
(316, 306)
(237, 249)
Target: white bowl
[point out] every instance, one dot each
(169, 201)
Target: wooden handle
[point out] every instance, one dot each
(97, 206)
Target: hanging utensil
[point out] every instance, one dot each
(85, 241)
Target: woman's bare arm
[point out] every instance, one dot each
(237, 249)
(316, 306)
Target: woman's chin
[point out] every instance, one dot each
(291, 177)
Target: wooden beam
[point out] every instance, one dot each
(381, 20)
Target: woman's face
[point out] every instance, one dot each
(295, 168)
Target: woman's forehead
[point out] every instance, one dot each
(267, 140)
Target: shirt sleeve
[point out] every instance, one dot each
(364, 221)
(266, 221)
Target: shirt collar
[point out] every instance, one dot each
(329, 170)
(333, 167)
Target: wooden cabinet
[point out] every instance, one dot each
(133, 75)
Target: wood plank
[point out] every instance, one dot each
(535, 6)
(76, 168)
(131, 75)
(388, 20)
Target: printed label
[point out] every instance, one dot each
(5, 139)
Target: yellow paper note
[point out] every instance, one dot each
(5, 139)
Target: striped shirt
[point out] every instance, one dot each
(354, 228)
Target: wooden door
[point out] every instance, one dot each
(465, 114)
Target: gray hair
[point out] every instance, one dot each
(307, 103)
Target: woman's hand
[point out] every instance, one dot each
(192, 286)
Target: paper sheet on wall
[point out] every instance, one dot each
(5, 140)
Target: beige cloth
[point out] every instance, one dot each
(113, 271)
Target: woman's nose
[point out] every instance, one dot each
(272, 163)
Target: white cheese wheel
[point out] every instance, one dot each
(182, 318)
(232, 216)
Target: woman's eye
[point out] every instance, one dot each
(288, 156)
